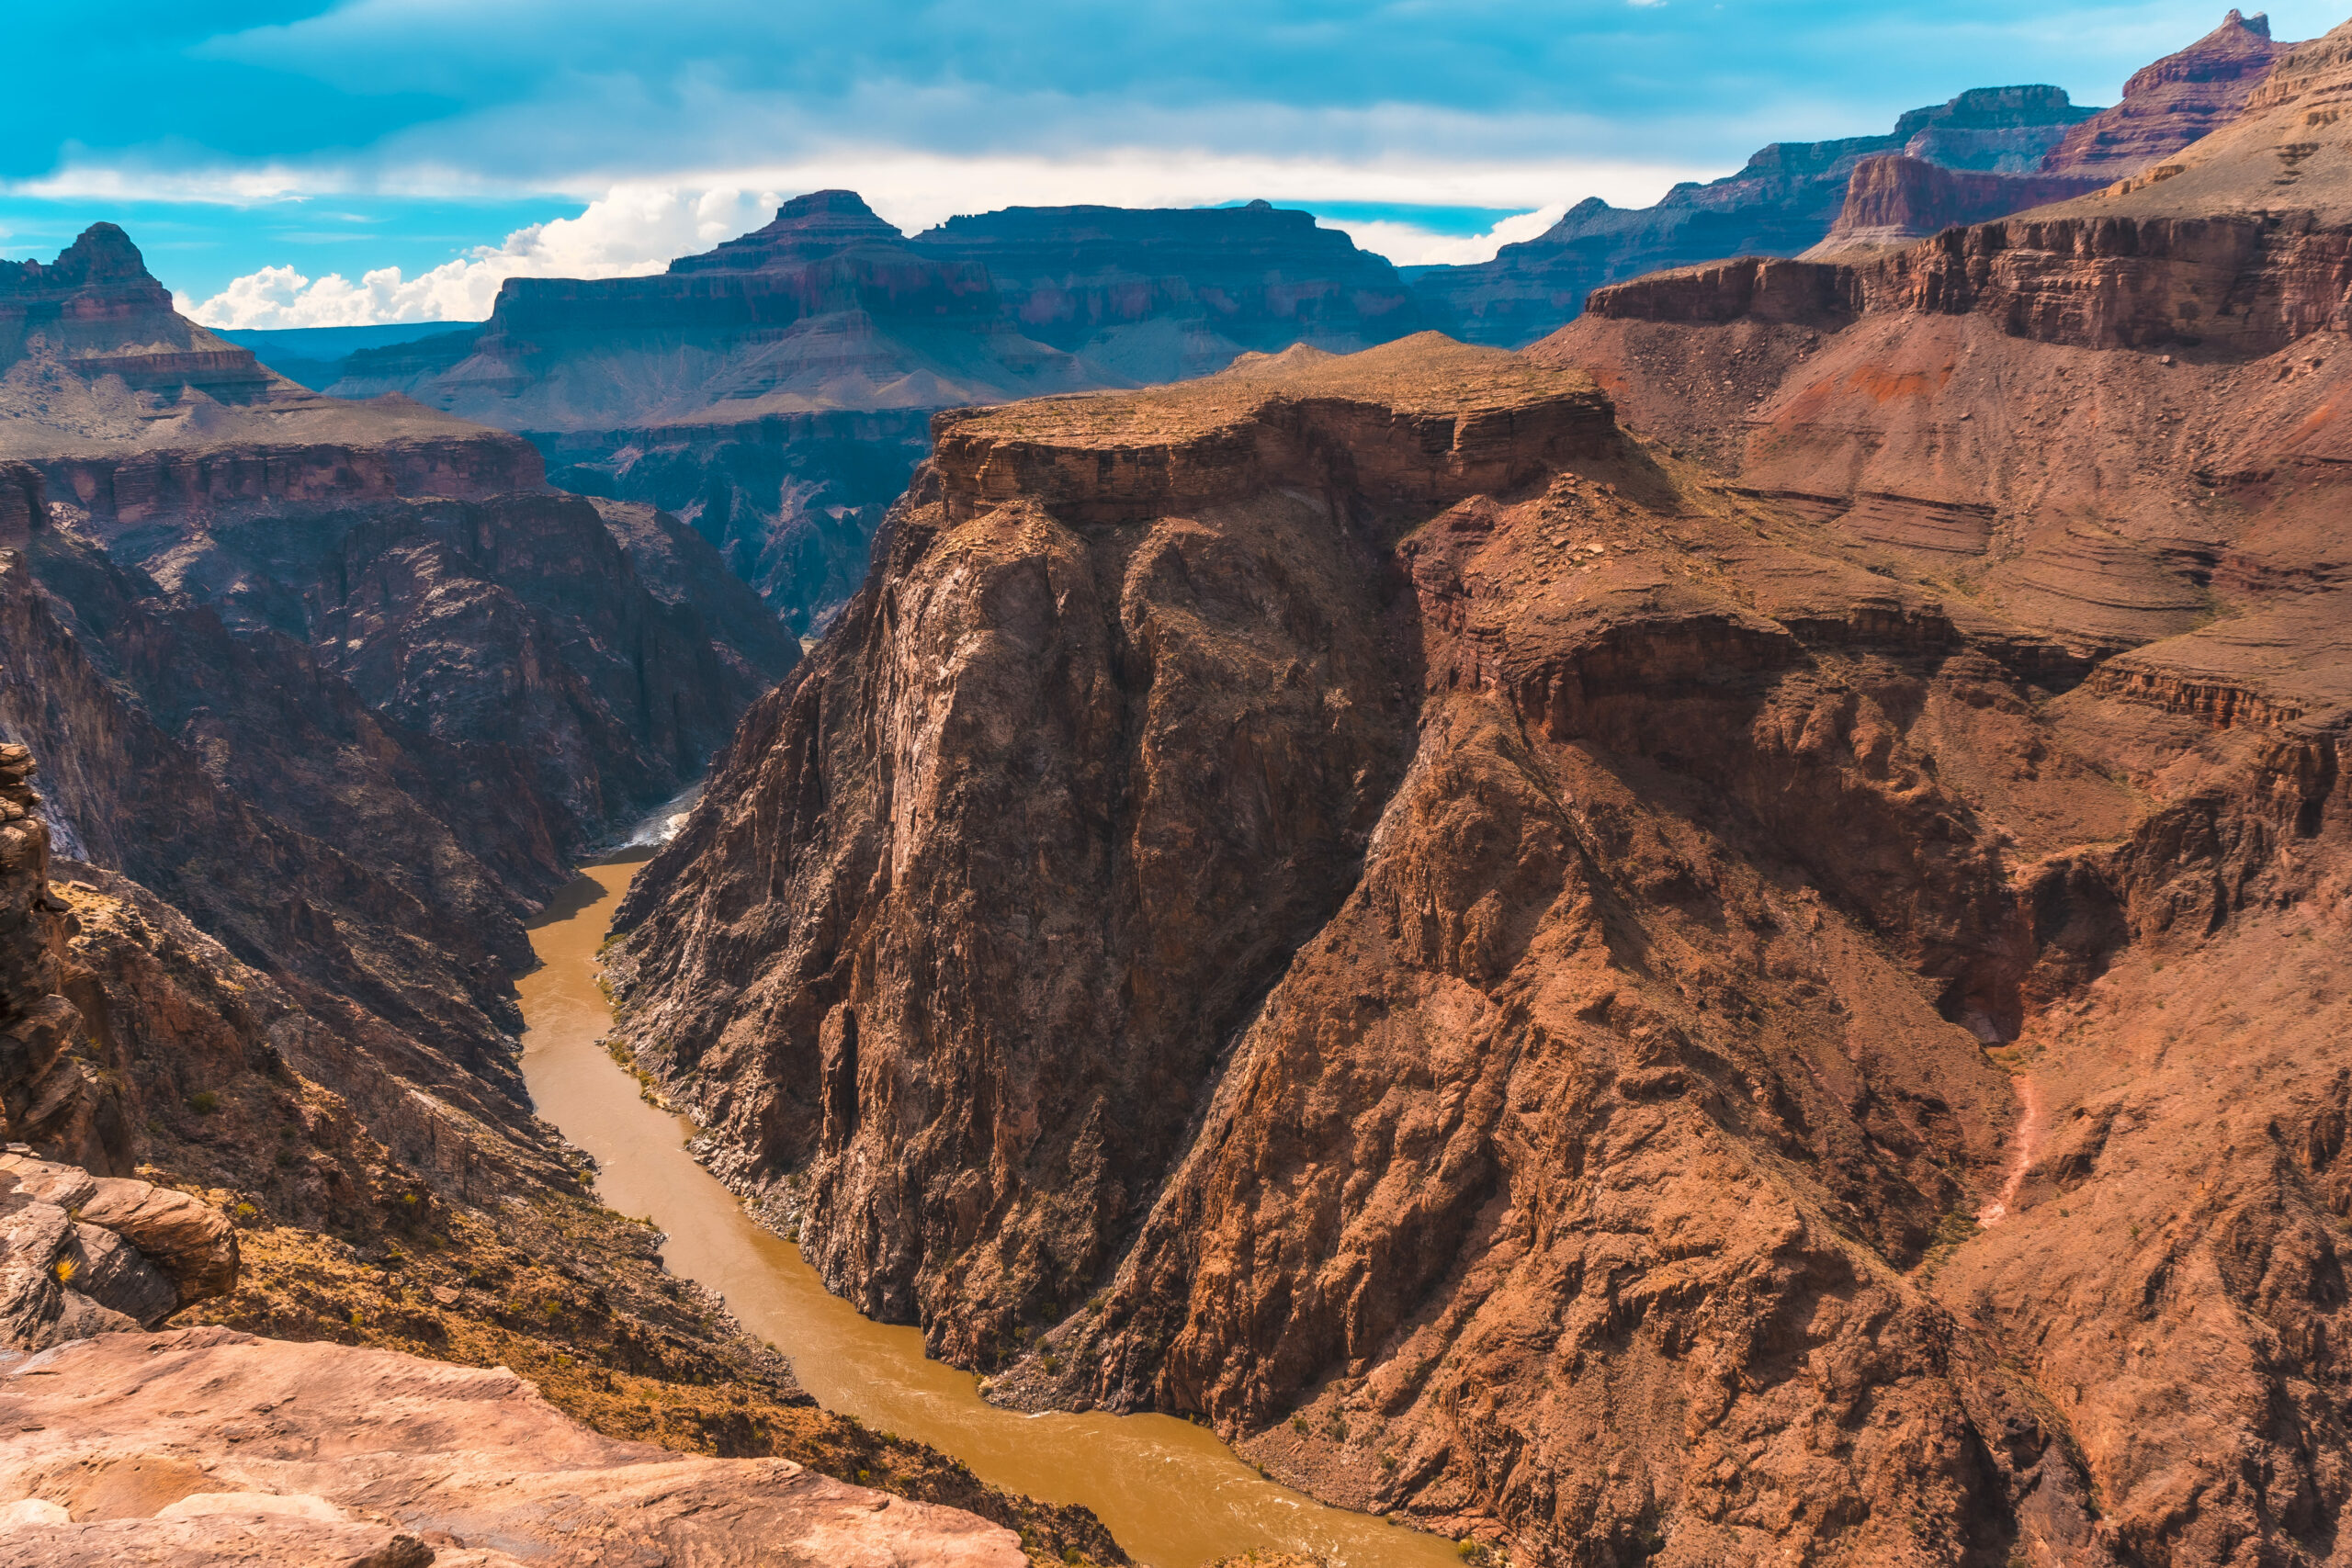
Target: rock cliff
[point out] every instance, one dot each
(1359, 900)
(1765, 978)
(1784, 202)
(1896, 198)
(774, 392)
(2172, 103)
(304, 1169)
(1988, 152)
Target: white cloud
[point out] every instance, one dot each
(1408, 245)
(631, 230)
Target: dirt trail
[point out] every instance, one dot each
(2033, 1123)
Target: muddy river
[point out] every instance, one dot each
(1173, 1494)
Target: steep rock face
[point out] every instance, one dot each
(296, 578)
(2172, 103)
(96, 309)
(352, 734)
(374, 1187)
(205, 1443)
(2166, 106)
(1782, 203)
(1991, 411)
(773, 392)
(1505, 985)
(1895, 197)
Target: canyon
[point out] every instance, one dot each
(1720, 941)
(1716, 940)
(326, 699)
(776, 392)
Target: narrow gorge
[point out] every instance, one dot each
(1104, 885)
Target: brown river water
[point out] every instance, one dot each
(1173, 1494)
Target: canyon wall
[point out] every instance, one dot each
(1721, 938)
(774, 392)
(1895, 198)
(323, 706)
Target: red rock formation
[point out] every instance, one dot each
(2170, 104)
(1784, 202)
(2166, 107)
(1042, 893)
(207, 1445)
(1509, 986)
(97, 309)
(1893, 198)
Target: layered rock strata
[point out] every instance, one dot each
(2172, 103)
(1988, 152)
(1356, 900)
(773, 392)
(1896, 198)
(343, 681)
(1782, 202)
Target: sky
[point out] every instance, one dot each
(315, 163)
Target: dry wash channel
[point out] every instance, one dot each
(1172, 1492)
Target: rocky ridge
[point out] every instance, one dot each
(1648, 991)
(1893, 198)
(1987, 152)
(1782, 202)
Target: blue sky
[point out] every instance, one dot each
(278, 158)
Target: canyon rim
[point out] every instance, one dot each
(1677, 898)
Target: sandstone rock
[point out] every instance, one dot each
(2172, 103)
(1328, 1011)
(323, 1453)
(1891, 201)
(187, 1240)
(1715, 870)
(81, 1256)
(1893, 198)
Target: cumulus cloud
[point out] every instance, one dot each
(1407, 244)
(628, 231)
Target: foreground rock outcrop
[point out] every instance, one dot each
(210, 1445)
(82, 1255)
